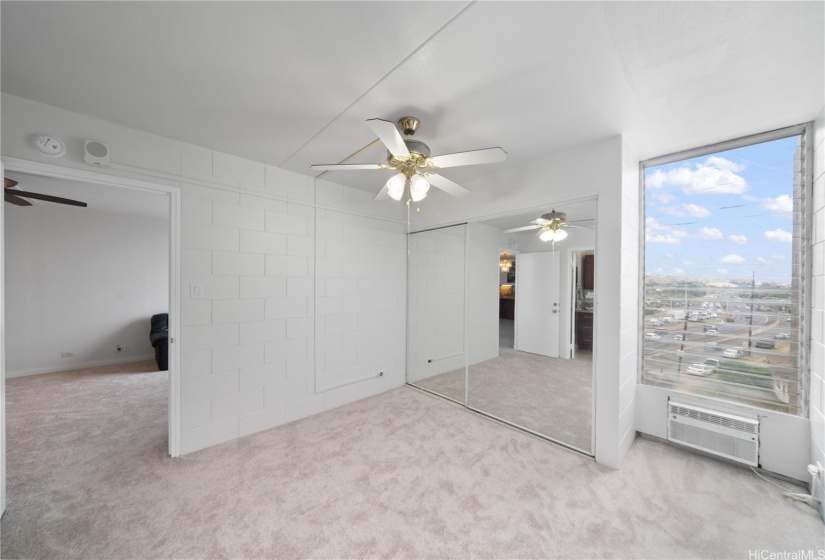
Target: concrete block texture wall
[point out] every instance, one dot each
(302, 305)
(817, 355)
(301, 311)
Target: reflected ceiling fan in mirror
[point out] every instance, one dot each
(15, 196)
(417, 170)
(550, 226)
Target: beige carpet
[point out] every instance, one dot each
(399, 475)
(551, 396)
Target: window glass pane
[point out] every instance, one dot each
(723, 275)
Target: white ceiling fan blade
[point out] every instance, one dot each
(346, 166)
(389, 135)
(540, 222)
(523, 228)
(580, 227)
(473, 157)
(449, 187)
(383, 194)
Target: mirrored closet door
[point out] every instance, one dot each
(436, 357)
(502, 321)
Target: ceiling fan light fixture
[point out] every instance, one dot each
(553, 235)
(418, 187)
(395, 186)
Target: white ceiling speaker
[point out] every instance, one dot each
(96, 153)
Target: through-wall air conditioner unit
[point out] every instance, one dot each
(726, 435)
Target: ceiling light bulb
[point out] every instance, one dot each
(395, 186)
(560, 234)
(547, 235)
(418, 187)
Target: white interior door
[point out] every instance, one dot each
(537, 303)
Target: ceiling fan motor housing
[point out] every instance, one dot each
(419, 152)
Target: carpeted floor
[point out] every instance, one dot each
(551, 396)
(401, 475)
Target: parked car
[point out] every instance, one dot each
(713, 362)
(781, 336)
(733, 353)
(652, 336)
(700, 369)
(730, 320)
(711, 329)
(655, 322)
(666, 320)
(679, 337)
(765, 343)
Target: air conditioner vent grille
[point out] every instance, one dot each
(719, 433)
(714, 419)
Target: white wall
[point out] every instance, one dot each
(817, 356)
(249, 235)
(84, 282)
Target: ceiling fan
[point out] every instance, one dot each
(550, 226)
(411, 158)
(17, 197)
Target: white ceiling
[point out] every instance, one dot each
(291, 83)
(100, 198)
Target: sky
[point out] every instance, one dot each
(722, 216)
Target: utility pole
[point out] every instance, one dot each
(684, 335)
(750, 327)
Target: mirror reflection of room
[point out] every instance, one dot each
(523, 294)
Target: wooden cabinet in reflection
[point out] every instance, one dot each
(587, 272)
(584, 330)
(507, 308)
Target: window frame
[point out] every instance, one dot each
(805, 131)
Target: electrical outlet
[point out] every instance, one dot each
(67, 354)
(121, 348)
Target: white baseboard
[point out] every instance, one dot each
(84, 365)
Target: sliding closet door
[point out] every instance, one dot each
(436, 354)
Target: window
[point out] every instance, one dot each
(724, 269)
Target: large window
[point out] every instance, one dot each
(724, 270)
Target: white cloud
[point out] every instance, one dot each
(733, 259)
(678, 272)
(762, 260)
(709, 233)
(696, 211)
(722, 270)
(779, 235)
(782, 203)
(680, 233)
(693, 210)
(716, 175)
(739, 239)
(666, 239)
(689, 263)
(653, 223)
(663, 198)
(723, 163)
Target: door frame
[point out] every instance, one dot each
(117, 181)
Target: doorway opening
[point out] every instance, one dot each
(89, 323)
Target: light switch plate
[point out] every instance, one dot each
(196, 291)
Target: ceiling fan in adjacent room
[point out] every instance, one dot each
(417, 170)
(15, 196)
(550, 226)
